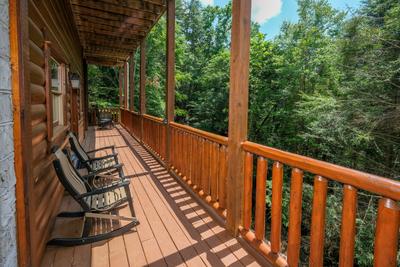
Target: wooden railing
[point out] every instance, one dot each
(388, 218)
(94, 113)
(132, 122)
(200, 159)
(155, 135)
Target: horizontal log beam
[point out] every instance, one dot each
(111, 23)
(138, 5)
(100, 55)
(103, 14)
(94, 6)
(123, 29)
(99, 49)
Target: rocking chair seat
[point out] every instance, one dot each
(107, 199)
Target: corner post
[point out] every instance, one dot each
(21, 98)
(125, 84)
(142, 84)
(238, 109)
(132, 82)
(86, 93)
(170, 94)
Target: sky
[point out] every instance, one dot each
(270, 14)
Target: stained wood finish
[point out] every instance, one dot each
(143, 77)
(248, 190)
(120, 87)
(154, 135)
(238, 110)
(110, 30)
(198, 159)
(46, 22)
(387, 233)
(261, 183)
(201, 162)
(294, 236)
(323, 171)
(174, 230)
(20, 47)
(276, 212)
(389, 188)
(132, 68)
(348, 230)
(126, 85)
(170, 95)
(170, 79)
(318, 222)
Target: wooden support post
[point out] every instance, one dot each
(86, 93)
(21, 98)
(125, 84)
(170, 93)
(142, 84)
(132, 82)
(120, 86)
(238, 109)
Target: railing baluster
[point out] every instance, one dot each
(294, 236)
(222, 173)
(248, 187)
(214, 171)
(348, 228)
(318, 221)
(387, 233)
(198, 162)
(179, 145)
(207, 169)
(190, 156)
(202, 164)
(185, 155)
(260, 198)
(276, 211)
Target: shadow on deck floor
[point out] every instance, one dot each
(174, 229)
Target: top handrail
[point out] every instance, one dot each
(213, 137)
(365, 181)
(153, 118)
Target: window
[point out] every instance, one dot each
(57, 92)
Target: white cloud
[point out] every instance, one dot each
(263, 10)
(207, 2)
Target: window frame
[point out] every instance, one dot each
(54, 129)
(60, 93)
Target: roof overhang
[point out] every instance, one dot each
(111, 30)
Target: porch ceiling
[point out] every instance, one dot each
(110, 30)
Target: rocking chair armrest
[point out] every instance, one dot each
(101, 158)
(101, 148)
(115, 167)
(104, 189)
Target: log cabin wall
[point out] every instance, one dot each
(49, 21)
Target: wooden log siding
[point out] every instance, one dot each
(388, 217)
(46, 21)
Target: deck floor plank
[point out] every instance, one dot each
(174, 229)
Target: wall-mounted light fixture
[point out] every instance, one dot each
(75, 80)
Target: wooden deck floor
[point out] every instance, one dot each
(174, 229)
